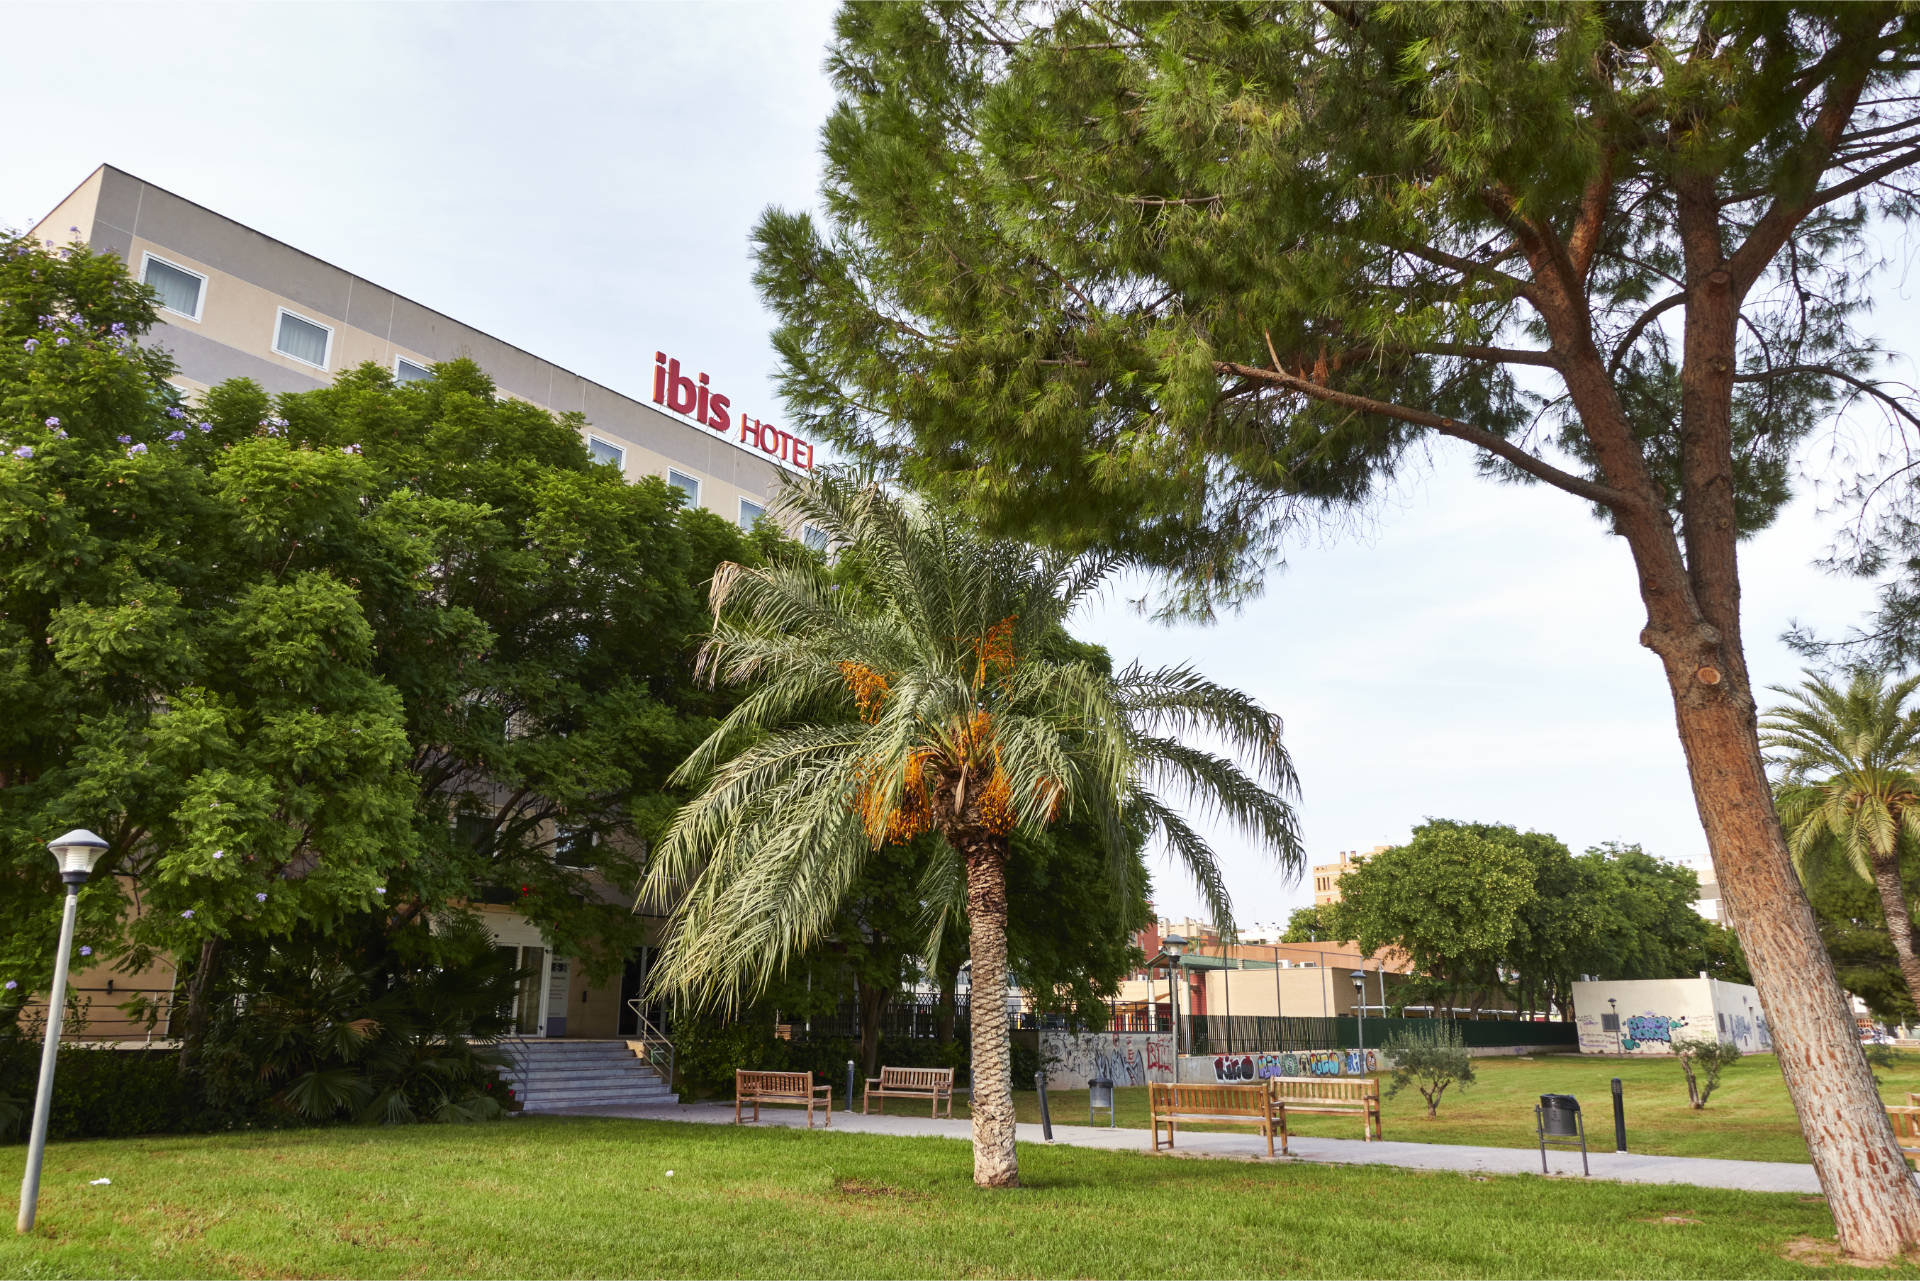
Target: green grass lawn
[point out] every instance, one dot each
(550, 1197)
(1748, 1117)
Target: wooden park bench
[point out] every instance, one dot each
(1906, 1128)
(1352, 1095)
(909, 1083)
(780, 1087)
(1214, 1105)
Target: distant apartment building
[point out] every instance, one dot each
(1326, 876)
(234, 302)
(1707, 902)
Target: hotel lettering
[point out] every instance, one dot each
(692, 397)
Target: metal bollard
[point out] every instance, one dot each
(850, 1085)
(1046, 1121)
(1619, 1117)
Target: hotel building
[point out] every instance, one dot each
(236, 303)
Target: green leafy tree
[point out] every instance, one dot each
(1451, 899)
(939, 712)
(1309, 925)
(188, 666)
(1648, 928)
(1846, 760)
(1853, 925)
(1702, 1060)
(1177, 280)
(1430, 1060)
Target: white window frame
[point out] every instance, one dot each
(398, 359)
(744, 504)
(693, 499)
(620, 451)
(326, 357)
(200, 303)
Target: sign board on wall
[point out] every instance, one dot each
(692, 396)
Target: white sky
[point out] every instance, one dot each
(581, 180)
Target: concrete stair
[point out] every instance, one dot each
(555, 1075)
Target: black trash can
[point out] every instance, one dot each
(1559, 1115)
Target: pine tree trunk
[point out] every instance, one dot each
(995, 1164)
(1868, 1187)
(1893, 904)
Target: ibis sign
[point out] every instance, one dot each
(691, 396)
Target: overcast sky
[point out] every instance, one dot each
(580, 180)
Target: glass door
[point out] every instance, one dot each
(527, 994)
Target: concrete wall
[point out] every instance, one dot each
(1655, 1012)
(1125, 1058)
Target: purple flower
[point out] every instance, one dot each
(187, 915)
(118, 329)
(48, 322)
(135, 450)
(60, 342)
(206, 426)
(176, 436)
(219, 853)
(350, 449)
(25, 451)
(176, 412)
(32, 344)
(86, 951)
(260, 898)
(10, 986)
(53, 422)
(125, 440)
(74, 230)
(60, 435)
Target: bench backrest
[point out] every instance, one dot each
(774, 1082)
(916, 1078)
(1906, 1128)
(1324, 1089)
(1913, 1099)
(1214, 1100)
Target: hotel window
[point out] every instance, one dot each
(408, 371)
(815, 539)
(686, 485)
(181, 291)
(304, 340)
(750, 512)
(604, 453)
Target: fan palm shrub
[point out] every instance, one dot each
(1846, 791)
(928, 686)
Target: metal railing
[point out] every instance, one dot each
(656, 1051)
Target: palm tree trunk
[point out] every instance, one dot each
(1893, 904)
(994, 1162)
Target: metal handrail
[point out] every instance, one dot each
(656, 1051)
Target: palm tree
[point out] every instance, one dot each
(1846, 761)
(936, 693)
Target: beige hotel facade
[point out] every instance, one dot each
(236, 303)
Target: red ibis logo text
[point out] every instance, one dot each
(693, 398)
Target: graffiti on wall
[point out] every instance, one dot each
(1125, 1058)
(1648, 1030)
(1258, 1067)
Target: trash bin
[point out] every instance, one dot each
(1560, 1115)
(1100, 1095)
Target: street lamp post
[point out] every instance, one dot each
(1614, 1005)
(1360, 1011)
(1172, 946)
(76, 853)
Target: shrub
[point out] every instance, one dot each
(1703, 1057)
(100, 1093)
(1430, 1060)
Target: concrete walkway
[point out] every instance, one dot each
(1623, 1167)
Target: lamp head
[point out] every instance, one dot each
(1173, 945)
(76, 853)
(1359, 980)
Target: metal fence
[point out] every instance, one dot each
(919, 1019)
(1255, 1034)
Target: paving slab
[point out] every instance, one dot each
(1621, 1167)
